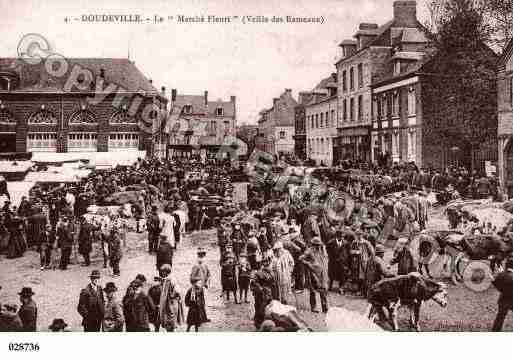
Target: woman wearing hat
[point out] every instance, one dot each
(282, 265)
(170, 312)
(113, 319)
(28, 310)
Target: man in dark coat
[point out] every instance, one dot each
(404, 258)
(137, 308)
(91, 305)
(164, 253)
(334, 248)
(24, 207)
(504, 284)
(262, 285)
(315, 260)
(154, 293)
(378, 268)
(9, 319)
(36, 224)
(3, 188)
(85, 240)
(28, 310)
(153, 230)
(115, 251)
(65, 241)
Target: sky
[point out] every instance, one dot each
(253, 61)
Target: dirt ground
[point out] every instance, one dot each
(57, 291)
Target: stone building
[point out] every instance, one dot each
(396, 134)
(97, 105)
(276, 125)
(362, 60)
(200, 126)
(418, 118)
(321, 121)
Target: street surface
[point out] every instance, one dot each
(57, 291)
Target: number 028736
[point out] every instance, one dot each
(23, 347)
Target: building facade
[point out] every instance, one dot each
(505, 119)
(321, 121)
(40, 112)
(276, 125)
(397, 121)
(418, 118)
(300, 149)
(364, 59)
(199, 127)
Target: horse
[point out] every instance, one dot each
(483, 247)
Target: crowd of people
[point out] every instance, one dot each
(272, 255)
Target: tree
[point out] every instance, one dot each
(499, 13)
(496, 14)
(463, 72)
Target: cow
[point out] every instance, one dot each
(411, 290)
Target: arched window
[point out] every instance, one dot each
(6, 116)
(43, 117)
(83, 117)
(122, 116)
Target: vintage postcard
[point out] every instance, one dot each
(243, 166)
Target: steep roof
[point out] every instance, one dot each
(411, 34)
(198, 105)
(122, 72)
(319, 92)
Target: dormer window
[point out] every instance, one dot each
(187, 109)
(219, 111)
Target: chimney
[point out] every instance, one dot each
(275, 100)
(288, 91)
(173, 95)
(405, 13)
(206, 98)
(232, 99)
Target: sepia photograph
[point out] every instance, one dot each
(241, 166)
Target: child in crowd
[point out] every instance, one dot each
(200, 269)
(195, 300)
(228, 277)
(244, 274)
